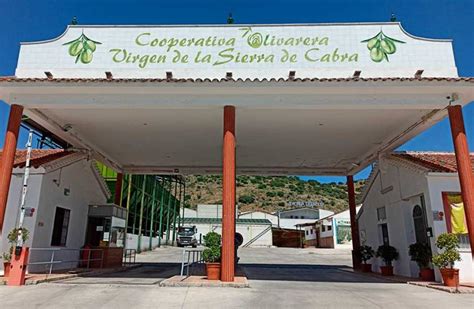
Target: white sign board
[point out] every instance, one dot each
(248, 51)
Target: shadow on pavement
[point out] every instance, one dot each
(307, 272)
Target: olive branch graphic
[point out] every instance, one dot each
(82, 48)
(381, 46)
(254, 40)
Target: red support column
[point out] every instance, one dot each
(354, 226)
(8, 157)
(228, 195)
(466, 177)
(118, 190)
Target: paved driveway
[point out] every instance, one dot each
(279, 278)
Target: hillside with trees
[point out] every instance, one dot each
(268, 193)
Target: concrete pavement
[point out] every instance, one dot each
(279, 278)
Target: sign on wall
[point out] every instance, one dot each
(328, 50)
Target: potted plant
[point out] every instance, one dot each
(388, 254)
(421, 254)
(365, 253)
(12, 240)
(212, 255)
(449, 243)
(6, 257)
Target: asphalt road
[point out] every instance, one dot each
(278, 277)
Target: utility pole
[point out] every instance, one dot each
(26, 176)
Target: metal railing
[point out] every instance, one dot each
(56, 259)
(194, 256)
(128, 256)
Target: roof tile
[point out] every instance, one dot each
(39, 157)
(444, 162)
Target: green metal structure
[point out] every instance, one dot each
(153, 203)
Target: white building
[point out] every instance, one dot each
(289, 219)
(273, 218)
(333, 231)
(256, 230)
(408, 198)
(61, 187)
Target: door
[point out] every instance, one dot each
(384, 230)
(419, 223)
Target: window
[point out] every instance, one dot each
(307, 232)
(61, 225)
(312, 231)
(323, 228)
(329, 227)
(381, 214)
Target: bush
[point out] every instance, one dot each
(281, 203)
(450, 244)
(421, 254)
(365, 253)
(212, 239)
(246, 199)
(271, 194)
(211, 255)
(387, 253)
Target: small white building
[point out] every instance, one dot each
(413, 197)
(61, 187)
(333, 231)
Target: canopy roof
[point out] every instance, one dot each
(304, 127)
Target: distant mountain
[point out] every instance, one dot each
(269, 193)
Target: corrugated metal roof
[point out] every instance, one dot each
(11, 79)
(219, 221)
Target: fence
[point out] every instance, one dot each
(128, 256)
(187, 262)
(63, 257)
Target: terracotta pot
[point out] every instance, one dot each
(213, 271)
(386, 270)
(450, 276)
(6, 269)
(427, 274)
(366, 268)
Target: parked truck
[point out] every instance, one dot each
(187, 236)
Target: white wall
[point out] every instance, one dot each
(291, 223)
(398, 189)
(439, 183)
(306, 213)
(248, 232)
(260, 215)
(45, 193)
(190, 213)
(13, 206)
(408, 184)
(132, 242)
(307, 232)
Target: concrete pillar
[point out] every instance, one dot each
(354, 226)
(8, 157)
(463, 161)
(228, 195)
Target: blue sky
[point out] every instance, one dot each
(38, 20)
